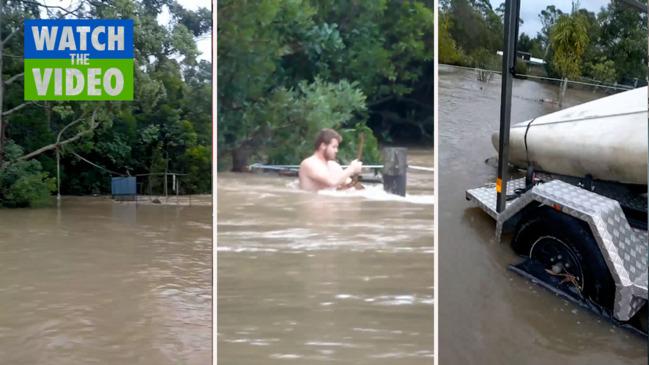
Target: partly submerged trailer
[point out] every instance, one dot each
(584, 236)
(605, 138)
(588, 242)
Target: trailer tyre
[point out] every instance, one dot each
(565, 245)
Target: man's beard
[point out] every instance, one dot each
(330, 157)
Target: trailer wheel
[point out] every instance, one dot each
(566, 247)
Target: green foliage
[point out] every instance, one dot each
(521, 67)
(470, 34)
(575, 44)
(167, 126)
(23, 184)
(449, 53)
(293, 114)
(602, 69)
(288, 68)
(198, 159)
(548, 18)
(623, 37)
(569, 39)
(486, 59)
(351, 138)
(475, 26)
(31, 189)
(530, 45)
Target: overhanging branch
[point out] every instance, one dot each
(64, 10)
(76, 137)
(14, 78)
(15, 109)
(8, 38)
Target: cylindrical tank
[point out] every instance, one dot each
(606, 138)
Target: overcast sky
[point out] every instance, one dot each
(530, 10)
(204, 42)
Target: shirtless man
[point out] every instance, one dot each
(320, 170)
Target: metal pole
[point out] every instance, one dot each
(512, 8)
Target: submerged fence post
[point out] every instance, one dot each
(58, 177)
(395, 164)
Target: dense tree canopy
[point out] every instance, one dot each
(288, 68)
(612, 43)
(569, 39)
(166, 128)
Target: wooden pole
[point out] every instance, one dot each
(355, 179)
(166, 196)
(395, 165)
(58, 175)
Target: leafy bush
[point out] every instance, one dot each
(294, 117)
(485, 59)
(602, 69)
(521, 67)
(199, 162)
(22, 183)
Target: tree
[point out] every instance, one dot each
(475, 28)
(623, 38)
(568, 39)
(167, 126)
(449, 53)
(530, 45)
(548, 18)
(602, 69)
(616, 33)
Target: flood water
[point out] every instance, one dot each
(102, 282)
(343, 278)
(487, 314)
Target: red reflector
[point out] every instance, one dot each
(556, 207)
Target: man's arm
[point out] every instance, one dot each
(335, 167)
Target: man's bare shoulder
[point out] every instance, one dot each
(333, 163)
(308, 162)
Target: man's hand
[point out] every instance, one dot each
(356, 166)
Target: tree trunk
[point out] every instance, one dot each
(240, 158)
(562, 91)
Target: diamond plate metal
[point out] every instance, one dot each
(485, 197)
(624, 249)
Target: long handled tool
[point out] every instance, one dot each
(355, 183)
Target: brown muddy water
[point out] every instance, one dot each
(487, 314)
(102, 282)
(336, 277)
